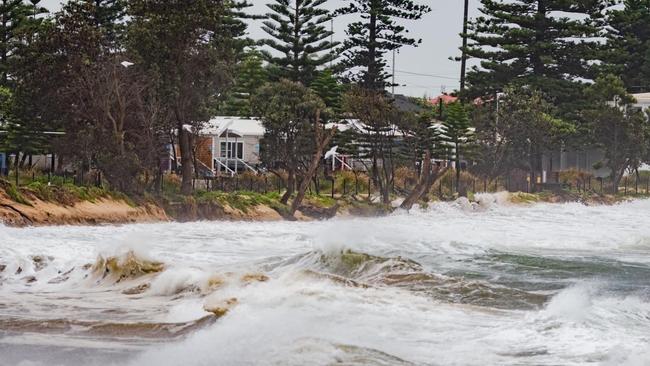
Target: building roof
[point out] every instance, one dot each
(358, 126)
(235, 125)
(446, 99)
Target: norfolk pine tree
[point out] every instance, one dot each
(378, 32)
(546, 44)
(456, 131)
(298, 38)
(628, 46)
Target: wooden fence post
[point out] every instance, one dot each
(601, 185)
(356, 185)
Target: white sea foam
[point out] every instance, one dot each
(592, 262)
(571, 304)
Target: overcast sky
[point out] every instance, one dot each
(439, 31)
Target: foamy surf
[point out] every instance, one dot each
(489, 283)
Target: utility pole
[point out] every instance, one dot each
(34, 3)
(463, 61)
(331, 37)
(394, 51)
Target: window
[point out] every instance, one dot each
(232, 149)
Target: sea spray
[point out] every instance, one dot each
(502, 285)
(572, 304)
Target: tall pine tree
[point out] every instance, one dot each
(629, 44)
(377, 33)
(14, 19)
(547, 44)
(329, 89)
(299, 37)
(108, 15)
(251, 76)
(457, 132)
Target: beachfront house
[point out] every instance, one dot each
(226, 146)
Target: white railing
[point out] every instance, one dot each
(226, 163)
(344, 165)
(225, 166)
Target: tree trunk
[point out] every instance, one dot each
(175, 161)
(373, 70)
(186, 160)
(617, 176)
(419, 189)
(291, 183)
(311, 171)
(457, 162)
(463, 61)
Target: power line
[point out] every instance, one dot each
(427, 75)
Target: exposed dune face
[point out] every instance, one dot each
(101, 211)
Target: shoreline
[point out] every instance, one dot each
(34, 211)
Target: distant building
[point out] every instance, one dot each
(642, 101)
(444, 98)
(587, 160)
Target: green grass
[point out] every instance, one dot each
(15, 195)
(521, 197)
(242, 200)
(66, 192)
(320, 200)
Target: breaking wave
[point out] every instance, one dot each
(488, 283)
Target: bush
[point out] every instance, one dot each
(346, 182)
(68, 194)
(405, 178)
(14, 193)
(448, 182)
(571, 176)
(241, 201)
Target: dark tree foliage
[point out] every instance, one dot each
(457, 133)
(18, 28)
(629, 44)
(420, 135)
(375, 33)
(108, 15)
(288, 111)
(17, 21)
(100, 105)
(193, 48)
(375, 135)
(622, 131)
(546, 44)
(250, 76)
(299, 37)
(328, 87)
(523, 130)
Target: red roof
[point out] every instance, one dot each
(446, 99)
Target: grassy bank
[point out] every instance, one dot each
(59, 201)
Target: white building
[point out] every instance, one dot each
(227, 145)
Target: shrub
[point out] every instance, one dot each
(571, 176)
